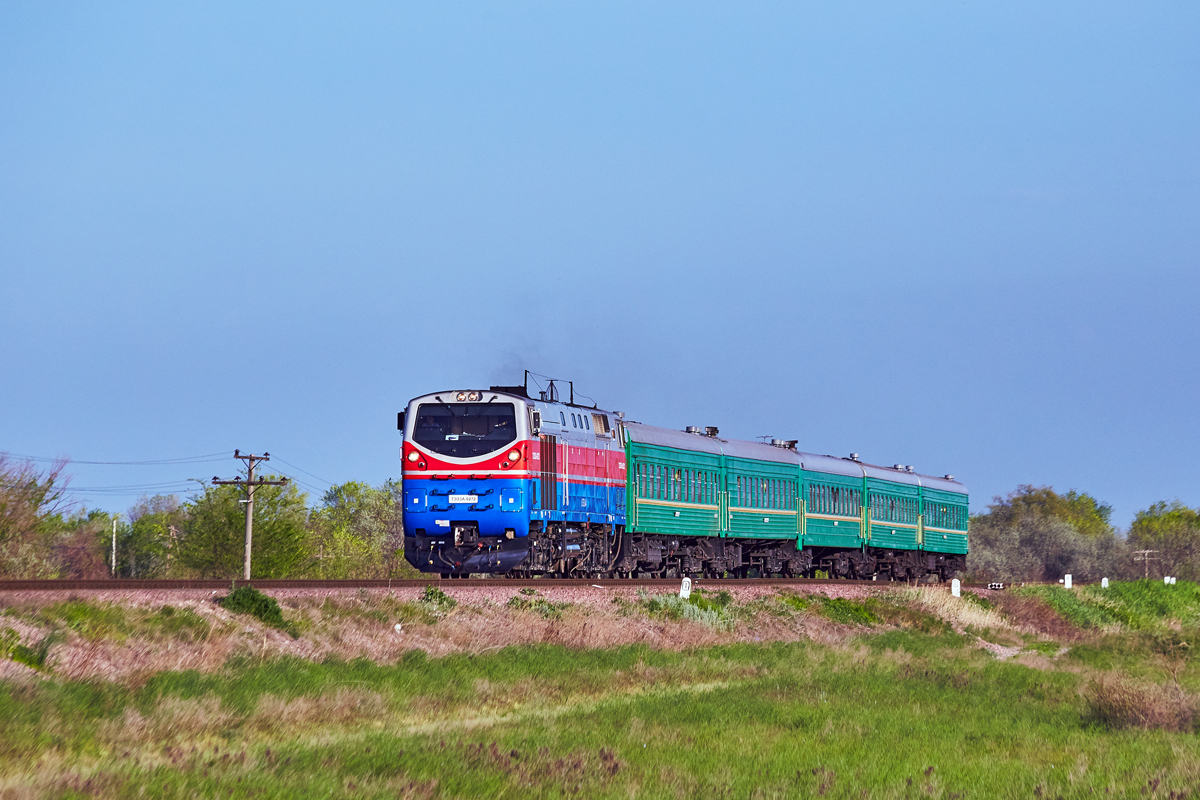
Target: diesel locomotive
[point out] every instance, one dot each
(497, 481)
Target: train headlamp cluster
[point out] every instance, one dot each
(468, 397)
(412, 455)
(514, 455)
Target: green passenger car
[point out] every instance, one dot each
(700, 504)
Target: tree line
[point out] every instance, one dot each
(1037, 534)
(353, 530)
(356, 531)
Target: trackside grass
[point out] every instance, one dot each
(891, 696)
(1135, 605)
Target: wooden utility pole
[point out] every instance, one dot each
(250, 485)
(1144, 556)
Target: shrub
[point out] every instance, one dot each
(91, 621)
(34, 657)
(975, 599)
(180, 623)
(709, 610)
(539, 605)
(437, 601)
(840, 609)
(9, 639)
(1116, 702)
(796, 602)
(248, 600)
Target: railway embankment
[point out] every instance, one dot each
(460, 690)
(124, 634)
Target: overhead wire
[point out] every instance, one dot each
(306, 472)
(314, 489)
(170, 486)
(204, 459)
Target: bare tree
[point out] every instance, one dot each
(30, 500)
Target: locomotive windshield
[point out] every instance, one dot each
(463, 430)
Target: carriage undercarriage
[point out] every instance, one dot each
(607, 551)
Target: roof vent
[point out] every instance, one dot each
(691, 429)
(854, 456)
(948, 476)
(899, 467)
(711, 430)
(790, 444)
(910, 468)
(778, 443)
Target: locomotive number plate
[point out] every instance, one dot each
(464, 498)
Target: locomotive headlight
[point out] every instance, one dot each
(513, 455)
(413, 456)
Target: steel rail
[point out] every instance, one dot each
(133, 584)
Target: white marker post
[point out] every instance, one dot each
(1067, 581)
(685, 589)
(1166, 581)
(1172, 580)
(956, 587)
(1104, 583)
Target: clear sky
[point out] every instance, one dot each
(956, 235)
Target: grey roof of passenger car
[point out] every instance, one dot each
(942, 485)
(668, 437)
(831, 465)
(810, 462)
(891, 474)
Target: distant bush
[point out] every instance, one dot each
(248, 600)
(1035, 548)
(1173, 530)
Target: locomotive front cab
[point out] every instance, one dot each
(466, 482)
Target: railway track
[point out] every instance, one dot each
(514, 583)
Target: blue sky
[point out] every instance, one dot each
(959, 237)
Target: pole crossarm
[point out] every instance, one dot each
(250, 484)
(1144, 557)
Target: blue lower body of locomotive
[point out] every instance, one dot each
(485, 529)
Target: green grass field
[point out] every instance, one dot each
(897, 700)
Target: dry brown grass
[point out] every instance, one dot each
(959, 612)
(343, 707)
(173, 717)
(1118, 702)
